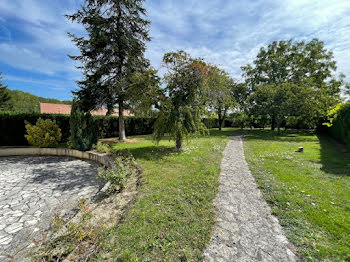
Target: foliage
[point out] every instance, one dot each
(111, 54)
(333, 114)
(340, 123)
(180, 110)
(70, 236)
(145, 92)
(280, 101)
(5, 101)
(123, 167)
(173, 215)
(308, 192)
(13, 128)
(347, 90)
(307, 65)
(45, 133)
(220, 93)
(82, 129)
(25, 102)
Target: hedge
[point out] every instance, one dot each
(12, 127)
(340, 128)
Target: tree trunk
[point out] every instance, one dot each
(122, 136)
(220, 118)
(178, 141)
(224, 116)
(110, 109)
(278, 128)
(273, 122)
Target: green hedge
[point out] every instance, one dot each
(12, 128)
(340, 128)
(108, 126)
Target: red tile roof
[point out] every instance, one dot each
(49, 108)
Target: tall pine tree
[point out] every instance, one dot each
(112, 53)
(5, 102)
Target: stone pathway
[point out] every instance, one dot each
(32, 190)
(245, 229)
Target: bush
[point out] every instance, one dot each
(45, 133)
(13, 130)
(82, 128)
(121, 169)
(340, 124)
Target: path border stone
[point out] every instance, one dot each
(37, 151)
(245, 228)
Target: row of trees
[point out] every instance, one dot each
(287, 79)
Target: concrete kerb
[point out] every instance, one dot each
(36, 151)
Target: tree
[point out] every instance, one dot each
(112, 53)
(83, 132)
(5, 99)
(181, 108)
(281, 101)
(220, 93)
(308, 65)
(347, 89)
(145, 92)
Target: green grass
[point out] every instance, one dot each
(173, 215)
(309, 192)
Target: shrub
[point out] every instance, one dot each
(340, 123)
(13, 130)
(45, 133)
(121, 169)
(82, 128)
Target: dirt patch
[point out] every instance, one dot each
(79, 238)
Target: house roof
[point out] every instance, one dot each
(49, 108)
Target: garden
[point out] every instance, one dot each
(288, 120)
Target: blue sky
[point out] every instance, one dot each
(34, 44)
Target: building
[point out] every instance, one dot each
(49, 108)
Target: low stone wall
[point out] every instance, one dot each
(30, 151)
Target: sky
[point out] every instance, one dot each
(34, 45)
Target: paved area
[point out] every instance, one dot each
(245, 228)
(32, 190)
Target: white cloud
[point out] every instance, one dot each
(24, 58)
(230, 33)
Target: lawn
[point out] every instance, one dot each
(309, 192)
(173, 215)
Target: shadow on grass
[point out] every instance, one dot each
(285, 136)
(151, 152)
(156, 152)
(335, 158)
(223, 133)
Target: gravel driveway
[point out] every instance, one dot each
(32, 190)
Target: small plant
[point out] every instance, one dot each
(69, 237)
(121, 169)
(103, 147)
(45, 133)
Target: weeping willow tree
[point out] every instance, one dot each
(184, 99)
